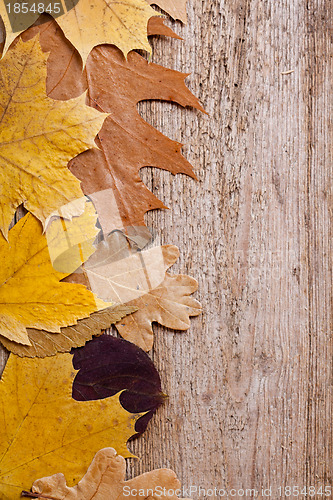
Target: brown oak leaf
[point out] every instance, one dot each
(127, 143)
(65, 78)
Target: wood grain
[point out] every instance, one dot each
(250, 384)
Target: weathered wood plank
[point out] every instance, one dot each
(250, 385)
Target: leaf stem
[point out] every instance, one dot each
(36, 495)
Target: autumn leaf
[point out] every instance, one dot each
(70, 242)
(87, 24)
(45, 343)
(176, 8)
(104, 480)
(108, 365)
(44, 429)
(65, 78)
(31, 295)
(38, 136)
(169, 304)
(156, 27)
(110, 176)
(119, 273)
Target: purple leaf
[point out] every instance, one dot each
(108, 365)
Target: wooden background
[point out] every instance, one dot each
(250, 384)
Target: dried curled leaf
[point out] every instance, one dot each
(45, 343)
(119, 273)
(176, 8)
(44, 429)
(38, 136)
(87, 24)
(31, 294)
(108, 365)
(104, 480)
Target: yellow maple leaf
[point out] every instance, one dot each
(88, 24)
(43, 428)
(38, 136)
(104, 480)
(31, 295)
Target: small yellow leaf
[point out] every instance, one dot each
(43, 429)
(38, 137)
(104, 480)
(70, 242)
(31, 294)
(88, 24)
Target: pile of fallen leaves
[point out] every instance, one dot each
(76, 255)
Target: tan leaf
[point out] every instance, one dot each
(44, 343)
(38, 136)
(119, 273)
(104, 480)
(175, 8)
(169, 304)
